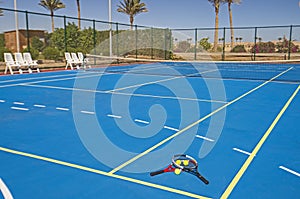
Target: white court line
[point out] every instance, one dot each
(114, 116)
(18, 103)
(88, 112)
(141, 121)
(20, 109)
(204, 138)
(242, 151)
(171, 128)
(128, 94)
(5, 191)
(2, 101)
(290, 171)
(157, 81)
(62, 109)
(39, 105)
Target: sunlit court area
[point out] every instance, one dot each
(114, 99)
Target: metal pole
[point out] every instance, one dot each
(94, 38)
(152, 43)
(136, 42)
(223, 53)
(65, 33)
(254, 50)
(110, 28)
(117, 42)
(27, 32)
(196, 41)
(17, 26)
(290, 42)
(165, 44)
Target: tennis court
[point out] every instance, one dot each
(99, 133)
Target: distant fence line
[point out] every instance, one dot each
(185, 42)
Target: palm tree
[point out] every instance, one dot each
(52, 5)
(216, 4)
(229, 2)
(78, 13)
(132, 8)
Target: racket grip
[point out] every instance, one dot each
(203, 179)
(156, 172)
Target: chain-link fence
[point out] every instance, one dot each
(46, 43)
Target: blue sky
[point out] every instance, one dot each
(181, 13)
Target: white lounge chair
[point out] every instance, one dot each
(69, 60)
(32, 63)
(19, 59)
(84, 61)
(76, 60)
(10, 64)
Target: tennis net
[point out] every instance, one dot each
(249, 70)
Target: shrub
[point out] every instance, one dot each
(51, 53)
(33, 51)
(238, 49)
(264, 47)
(2, 51)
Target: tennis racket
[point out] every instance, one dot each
(184, 163)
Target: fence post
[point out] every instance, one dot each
(254, 48)
(165, 43)
(65, 33)
(27, 31)
(223, 50)
(117, 39)
(94, 38)
(196, 41)
(152, 43)
(290, 42)
(136, 42)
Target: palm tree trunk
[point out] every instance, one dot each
(78, 12)
(216, 27)
(131, 22)
(52, 20)
(231, 24)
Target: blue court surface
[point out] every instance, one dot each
(98, 134)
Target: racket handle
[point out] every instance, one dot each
(202, 178)
(156, 172)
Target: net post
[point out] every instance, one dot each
(223, 50)
(27, 31)
(290, 42)
(65, 33)
(254, 48)
(196, 41)
(136, 42)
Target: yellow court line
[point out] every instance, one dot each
(257, 148)
(193, 124)
(76, 166)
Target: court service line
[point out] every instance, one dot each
(103, 173)
(141, 121)
(19, 103)
(2, 101)
(4, 190)
(114, 116)
(88, 112)
(39, 105)
(62, 109)
(243, 169)
(157, 81)
(193, 124)
(290, 171)
(128, 94)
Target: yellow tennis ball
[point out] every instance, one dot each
(177, 171)
(178, 162)
(185, 162)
